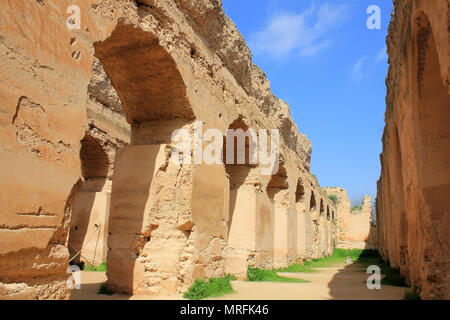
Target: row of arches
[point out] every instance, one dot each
(167, 224)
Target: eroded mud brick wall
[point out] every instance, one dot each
(413, 202)
(355, 229)
(118, 87)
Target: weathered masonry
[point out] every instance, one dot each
(87, 117)
(413, 203)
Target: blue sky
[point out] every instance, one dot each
(321, 59)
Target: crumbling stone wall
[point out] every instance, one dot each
(107, 131)
(355, 229)
(135, 72)
(412, 203)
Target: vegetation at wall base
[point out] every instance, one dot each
(100, 268)
(259, 275)
(392, 276)
(214, 287)
(338, 256)
(105, 290)
(412, 294)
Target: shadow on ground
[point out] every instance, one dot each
(350, 283)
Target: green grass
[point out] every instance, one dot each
(105, 290)
(259, 275)
(412, 294)
(297, 268)
(100, 268)
(392, 277)
(334, 198)
(214, 287)
(339, 256)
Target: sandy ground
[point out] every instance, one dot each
(91, 281)
(339, 283)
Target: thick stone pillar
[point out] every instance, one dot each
(285, 239)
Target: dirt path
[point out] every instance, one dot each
(91, 282)
(340, 282)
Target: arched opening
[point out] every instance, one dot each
(242, 199)
(88, 231)
(300, 204)
(322, 209)
(300, 193)
(142, 223)
(312, 202)
(277, 183)
(285, 219)
(328, 214)
(309, 224)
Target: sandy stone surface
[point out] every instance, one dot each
(87, 117)
(413, 191)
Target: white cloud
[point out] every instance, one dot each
(357, 69)
(305, 32)
(382, 55)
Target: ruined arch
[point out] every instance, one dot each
(94, 159)
(144, 75)
(322, 208)
(240, 225)
(90, 205)
(302, 216)
(155, 102)
(300, 192)
(278, 182)
(312, 202)
(328, 213)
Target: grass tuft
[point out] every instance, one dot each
(100, 268)
(338, 256)
(393, 276)
(334, 198)
(412, 294)
(259, 275)
(105, 290)
(214, 287)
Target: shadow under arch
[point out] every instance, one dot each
(300, 206)
(237, 173)
(84, 236)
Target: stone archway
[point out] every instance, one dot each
(243, 199)
(90, 206)
(285, 219)
(300, 204)
(147, 234)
